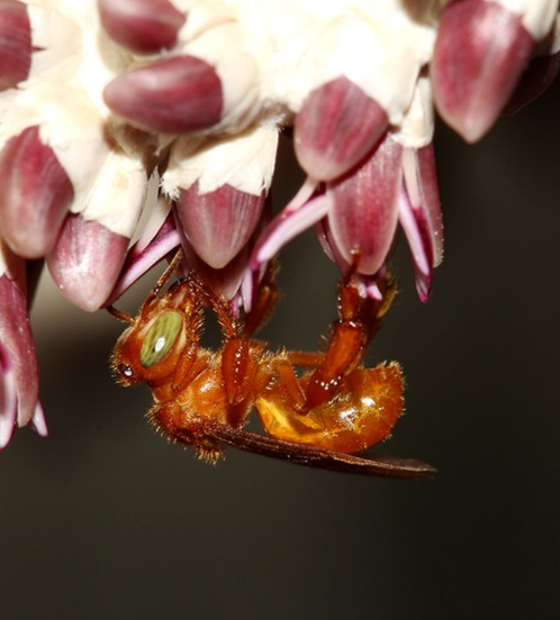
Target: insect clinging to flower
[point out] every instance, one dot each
(203, 398)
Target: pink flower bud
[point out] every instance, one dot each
(420, 215)
(86, 261)
(18, 372)
(15, 43)
(36, 193)
(172, 96)
(336, 127)
(8, 397)
(219, 223)
(363, 210)
(143, 26)
(225, 281)
(480, 52)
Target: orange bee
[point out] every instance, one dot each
(203, 398)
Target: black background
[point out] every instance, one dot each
(106, 520)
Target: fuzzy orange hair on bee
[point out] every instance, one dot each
(203, 398)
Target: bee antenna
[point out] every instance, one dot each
(120, 315)
(179, 255)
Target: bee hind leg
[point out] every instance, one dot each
(358, 320)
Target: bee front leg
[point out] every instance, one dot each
(240, 356)
(170, 421)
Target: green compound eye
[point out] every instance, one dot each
(160, 338)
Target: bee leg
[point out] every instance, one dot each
(185, 370)
(235, 356)
(240, 356)
(169, 421)
(230, 326)
(358, 320)
(166, 276)
(337, 404)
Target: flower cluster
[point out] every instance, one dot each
(110, 107)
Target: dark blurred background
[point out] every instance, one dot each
(106, 520)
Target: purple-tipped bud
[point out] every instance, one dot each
(225, 281)
(480, 52)
(86, 261)
(36, 193)
(175, 95)
(363, 210)
(420, 215)
(218, 224)
(15, 43)
(143, 26)
(336, 128)
(431, 203)
(20, 362)
(8, 398)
